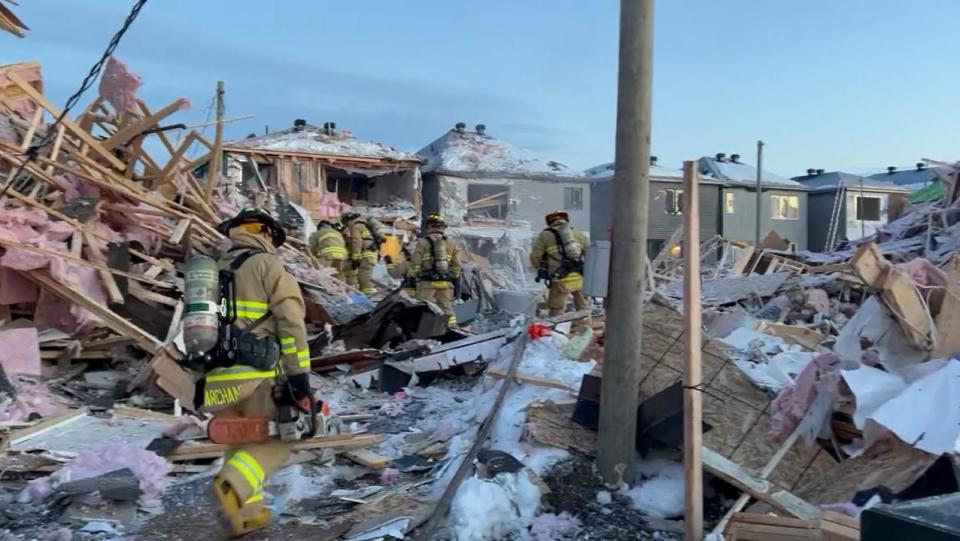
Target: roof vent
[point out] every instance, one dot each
(481, 129)
(720, 156)
(735, 158)
(891, 170)
(653, 160)
(811, 172)
(299, 124)
(921, 166)
(251, 136)
(329, 128)
(460, 126)
(820, 171)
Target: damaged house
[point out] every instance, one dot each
(322, 168)
(471, 176)
(848, 207)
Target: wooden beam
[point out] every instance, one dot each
(95, 253)
(213, 172)
(135, 128)
(76, 130)
(693, 372)
(205, 451)
(496, 373)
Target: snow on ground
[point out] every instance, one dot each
(660, 494)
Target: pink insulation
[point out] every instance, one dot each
(150, 468)
(818, 300)
(32, 397)
(7, 132)
(20, 352)
(118, 85)
(329, 206)
(923, 272)
(15, 288)
(54, 312)
(790, 406)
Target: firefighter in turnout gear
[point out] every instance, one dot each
(363, 251)
(557, 254)
(435, 264)
(268, 300)
(399, 270)
(328, 245)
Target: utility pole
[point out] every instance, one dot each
(756, 243)
(213, 171)
(621, 360)
(692, 375)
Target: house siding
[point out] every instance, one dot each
(742, 223)
(819, 209)
(660, 225)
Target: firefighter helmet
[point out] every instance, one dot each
(435, 219)
(255, 216)
(349, 215)
(557, 215)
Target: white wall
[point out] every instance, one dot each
(854, 230)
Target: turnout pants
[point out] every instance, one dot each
(339, 266)
(561, 289)
(247, 466)
(441, 294)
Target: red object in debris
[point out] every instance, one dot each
(538, 330)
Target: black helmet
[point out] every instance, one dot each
(435, 219)
(255, 215)
(349, 215)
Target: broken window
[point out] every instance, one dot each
(785, 207)
(868, 208)
(728, 207)
(488, 200)
(573, 199)
(674, 201)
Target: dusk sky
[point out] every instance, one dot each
(852, 85)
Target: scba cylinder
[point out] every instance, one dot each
(202, 305)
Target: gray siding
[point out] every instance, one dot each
(660, 225)
(741, 224)
(818, 216)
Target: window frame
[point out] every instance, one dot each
(729, 205)
(568, 201)
(857, 207)
(674, 195)
(776, 207)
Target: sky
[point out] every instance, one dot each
(853, 85)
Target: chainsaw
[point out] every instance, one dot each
(293, 422)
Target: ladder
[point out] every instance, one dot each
(838, 201)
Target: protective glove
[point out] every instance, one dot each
(355, 263)
(299, 387)
(388, 260)
(542, 275)
(409, 281)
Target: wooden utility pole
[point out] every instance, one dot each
(213, 171)
(621, 359)
(692, 378)
(756, 243)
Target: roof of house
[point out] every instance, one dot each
(742, 174)
(829, 181)
(604, 172)
(311, 139)
(906, 177)
(477, 154)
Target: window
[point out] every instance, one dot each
(673, 202)
(868, 208)
(785, 207)
(728, 207)
(573, 199)
(488, 200)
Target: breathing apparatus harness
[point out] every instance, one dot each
(440, 270)
(567, 264)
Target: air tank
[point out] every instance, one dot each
(201, 305)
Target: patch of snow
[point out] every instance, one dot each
(492, 509)
(312, 140)
(660, 495)
(551, 527)
(604, 497)
(471, 152)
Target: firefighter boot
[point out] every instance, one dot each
(242, 518)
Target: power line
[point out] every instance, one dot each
(33, 151)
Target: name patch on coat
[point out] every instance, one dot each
(222, 396)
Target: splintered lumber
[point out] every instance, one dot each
(899, 293)
(368, 458)
(796, 334)
(200, 451)
(532, 380)
(837, 527)
(948, 320)
(761, 489)
(756, 527)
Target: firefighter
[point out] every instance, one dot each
(266, 294)
(328, 245)
(557, 255)
(363, 251)
(435, 264)
(399, 269)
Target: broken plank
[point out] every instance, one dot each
(496, 373)
(201, 451)
(95, 253)
(761, 489)
(368, 458)
(76, 130)
(135, 128)
(796, 334)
